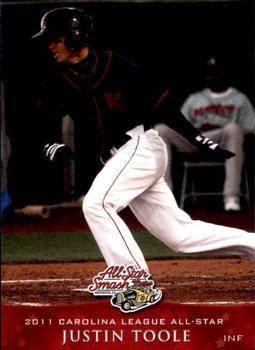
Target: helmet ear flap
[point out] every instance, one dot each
(74, 40)
(77, 38)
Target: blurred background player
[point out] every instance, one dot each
(222, 113)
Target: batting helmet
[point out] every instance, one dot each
(70, 22)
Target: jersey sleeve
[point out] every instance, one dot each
(47, 117)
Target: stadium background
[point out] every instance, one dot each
(171, 39)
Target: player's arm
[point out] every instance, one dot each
(165, 111)
(161, 108)
(246, 115)
(48, 130)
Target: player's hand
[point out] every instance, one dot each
(57, 153)
(211, 149)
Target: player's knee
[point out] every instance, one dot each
(234, 130)
(179, 245)
(86, 205)
(160, 127)
(96, 205)
(162, 130)
(90, 205)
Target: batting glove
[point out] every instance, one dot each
(57, 152)
(212, 149)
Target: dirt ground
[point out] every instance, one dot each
(203, 280)
(182, 280)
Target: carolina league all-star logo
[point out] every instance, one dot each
(130, 289)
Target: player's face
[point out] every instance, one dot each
(60, 52)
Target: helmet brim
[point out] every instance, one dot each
(45, 35)
(41, 34)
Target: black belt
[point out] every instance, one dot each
(122, 140)
(125, 138)
(147, 127)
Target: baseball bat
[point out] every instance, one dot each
(34, 210)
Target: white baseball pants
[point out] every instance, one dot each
(134, 176)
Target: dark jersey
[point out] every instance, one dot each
(108, 95)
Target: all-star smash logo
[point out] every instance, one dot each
(131, 289)
(116, 278)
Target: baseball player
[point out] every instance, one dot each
(225, 115)
(112, 92)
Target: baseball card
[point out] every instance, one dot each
(127, 175)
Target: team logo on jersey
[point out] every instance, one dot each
(114, 100)
(130, 289)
